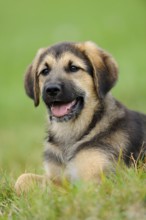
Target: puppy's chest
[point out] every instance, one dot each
(62, 141)
(60, 152)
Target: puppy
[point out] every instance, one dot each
(88, 129)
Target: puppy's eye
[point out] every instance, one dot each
(45, 71)
(73, 68)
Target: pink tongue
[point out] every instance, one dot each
(61, 110)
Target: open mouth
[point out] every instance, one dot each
(66, 110)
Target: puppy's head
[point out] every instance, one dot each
(69, 76)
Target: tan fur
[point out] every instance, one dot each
(70, 131)
(92, 51)
(99, 59)
(26, 181)
(88, 165)
(75, 155)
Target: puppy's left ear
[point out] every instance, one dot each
(105, 69)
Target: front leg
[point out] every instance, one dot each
(54, 171)
(54, 163)
(26, 181)
(88, 165)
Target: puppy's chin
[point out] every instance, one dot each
(64, 111)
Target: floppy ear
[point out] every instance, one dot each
(31, 84)
(108, 74)
(31, 81)
(105, 69)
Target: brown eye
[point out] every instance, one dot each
(45, 71)
(73, 68)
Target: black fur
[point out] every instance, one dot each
(135, 129)
(68, 92)
(133, 125)
(99, 140)
(97, 116)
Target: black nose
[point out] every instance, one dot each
(53, 89)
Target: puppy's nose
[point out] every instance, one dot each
(53, 89)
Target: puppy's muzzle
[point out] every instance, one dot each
(64, 100)
(52, 90)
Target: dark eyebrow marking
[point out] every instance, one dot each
(46, 65)
(58, 49)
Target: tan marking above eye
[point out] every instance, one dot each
(62, 62)
(49, 60)
(68, 56)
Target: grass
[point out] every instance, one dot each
(118, 26)
(122, 196)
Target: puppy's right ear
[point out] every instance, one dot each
(31, 84)
(31, 81)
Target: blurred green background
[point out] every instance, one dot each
(25, 26)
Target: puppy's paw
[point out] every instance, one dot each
(27, 181)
